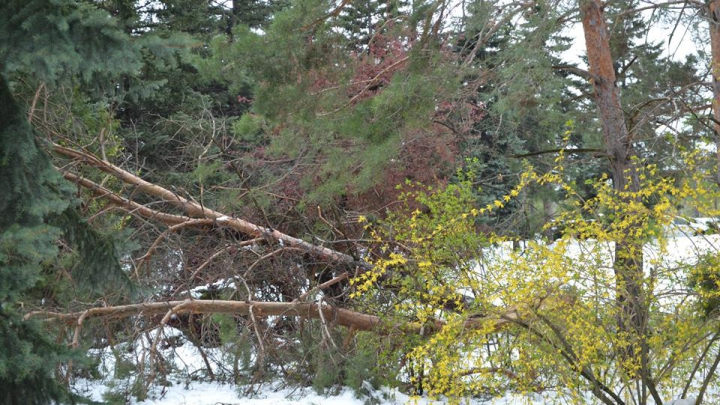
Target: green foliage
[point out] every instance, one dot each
(123, 391)
(116, 395)
(357, 368)
(327, 371)
(525, 104)
(342, 114)
(249, 128)
(266, 109)
(42, 36)
(26, 354)
(36, 195)
(370, 364)
(51, 41)
(237, 347)
(96, 266)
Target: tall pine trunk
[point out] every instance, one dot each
(714, 21)
(628, 263)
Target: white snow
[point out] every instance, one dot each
(686, 401)
(205, 393)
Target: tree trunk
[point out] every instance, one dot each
(617, 140)
(310, 310)
(628, 264)
(193, 209)
(714, 21)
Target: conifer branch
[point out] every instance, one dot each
(576, 70)
(194, 210)
(484, 38)
(370, 84)
(128, 205)
(656, 6)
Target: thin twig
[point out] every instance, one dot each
(325, 285)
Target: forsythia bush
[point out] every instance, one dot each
(534, 315)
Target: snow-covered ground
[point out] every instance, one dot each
(205, 393)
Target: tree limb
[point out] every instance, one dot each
(194, 210)
(124, 203)
(656, 6)
(576, 70)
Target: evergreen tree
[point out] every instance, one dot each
(52, 41)
(343, 93)
(526, 101)
(33, 192)
(294, 118)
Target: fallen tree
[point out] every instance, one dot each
(328, 315)
(339, 316)
(456, 307)
(198, 215)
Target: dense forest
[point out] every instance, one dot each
(437, 195)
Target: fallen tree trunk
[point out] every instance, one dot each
(195, 213)
(344, 317)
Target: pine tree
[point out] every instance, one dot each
(525, 101)
(343, 108)
(51, 41)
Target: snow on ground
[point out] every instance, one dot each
(204, 393)
(184, 388)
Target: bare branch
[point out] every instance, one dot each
(656, 6)
(145, 259)
(325, 285)
(124, 203)
(195, 210)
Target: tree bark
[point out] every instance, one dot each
(714, 21)
(628, 262)
(616, 136)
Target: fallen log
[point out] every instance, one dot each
(340, 316)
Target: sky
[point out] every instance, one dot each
(679, 46)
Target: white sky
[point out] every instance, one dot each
(679, 48)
